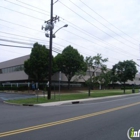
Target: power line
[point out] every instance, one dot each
(46, 11)
(94, 25)
(89, 40)
(24, 43)
(21, 36)
(20, 47)
(66, 30)
(18, 25)
(32, 6)
(108, 21)
(15, 46)
(101, 23)
(95, 37)
(72, 43)
(40, 9)
(53, 47)
(26, 7)
(22, 13)
(55, 43)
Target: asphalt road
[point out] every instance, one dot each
(106, 120)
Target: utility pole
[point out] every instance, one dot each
(49, 27)
(50, 52)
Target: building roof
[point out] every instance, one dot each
(14, 62)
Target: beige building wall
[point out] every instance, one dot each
(14, 62)
(14, 76)
(20, 75)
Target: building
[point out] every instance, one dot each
(12, 71)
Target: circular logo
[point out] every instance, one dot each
(130, 133)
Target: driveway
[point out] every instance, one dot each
(14, 96)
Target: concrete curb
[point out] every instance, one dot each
(80, 101)
(12, 103)
(70, 102)
(18, 104)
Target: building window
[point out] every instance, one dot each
(12, 69)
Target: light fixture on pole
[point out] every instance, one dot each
(53, 36)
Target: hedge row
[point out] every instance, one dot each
(131, 87)
(21, 88)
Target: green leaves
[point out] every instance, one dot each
(125, 70)
(37, 66)
(70, 62)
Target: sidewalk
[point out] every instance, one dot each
(69, 102)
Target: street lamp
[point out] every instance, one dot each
(50, 26)
(53, 36)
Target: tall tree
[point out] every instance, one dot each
(69, 62)
(95, 66)
(36, 67)
(104, 78)
(124, 71)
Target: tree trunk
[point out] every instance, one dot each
(124, 87)
(69, 83)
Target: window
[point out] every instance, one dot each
(12, 69)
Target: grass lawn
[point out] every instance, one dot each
(72, 96)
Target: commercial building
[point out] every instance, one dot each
(12, 71)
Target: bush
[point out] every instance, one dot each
(1, 88)
(131, 87)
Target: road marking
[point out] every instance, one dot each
(18, 131)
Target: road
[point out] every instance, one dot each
(103, 120)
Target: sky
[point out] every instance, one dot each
(108, 27)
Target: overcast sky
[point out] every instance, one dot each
(108, 27)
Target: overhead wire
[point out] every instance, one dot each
(38, 30)
(94, 25)
(107, 20)
(20, 47)
(31, 47)
(21, 13)
(32, 6)
(65, 40)
(46, 11)
(101, 23)
(35, 7)
(73, 43)
(26, 7)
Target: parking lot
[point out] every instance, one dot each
(13, 96)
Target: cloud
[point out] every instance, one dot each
(84, 31)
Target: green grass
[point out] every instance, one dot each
(72, 96)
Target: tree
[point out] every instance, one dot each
(104, 78)
(69, 62)
(94, 64)
(36, 67)
(124, 71)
